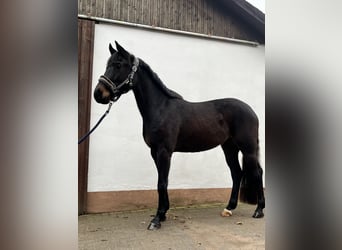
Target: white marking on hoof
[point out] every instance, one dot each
(226, 213)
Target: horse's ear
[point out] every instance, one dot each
(121, 50)
(111, 49)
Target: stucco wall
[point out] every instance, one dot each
(198, 69)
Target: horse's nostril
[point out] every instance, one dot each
(97, 95)
(100, 97)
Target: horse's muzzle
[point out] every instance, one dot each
(102, 95)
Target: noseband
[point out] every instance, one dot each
(117, 88)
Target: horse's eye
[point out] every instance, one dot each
(118, 65)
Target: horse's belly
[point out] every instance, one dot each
(196, 141)
(194, 147)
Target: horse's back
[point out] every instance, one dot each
(204, 125)
(233, 111)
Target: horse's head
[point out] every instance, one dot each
(118, 77)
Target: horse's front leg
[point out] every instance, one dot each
(162, 158)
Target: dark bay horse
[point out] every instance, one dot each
(172, 124)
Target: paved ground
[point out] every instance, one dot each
(196, 227)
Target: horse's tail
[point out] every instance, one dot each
(251, 174)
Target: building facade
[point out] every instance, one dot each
(202, 51)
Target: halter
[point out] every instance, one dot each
(117, 88)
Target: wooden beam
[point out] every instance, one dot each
(85, 68)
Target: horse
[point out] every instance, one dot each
(172, 124)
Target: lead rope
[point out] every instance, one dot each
(97, 124)
(113, 86)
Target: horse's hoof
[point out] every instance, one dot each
(226, 213)
(258, 214)
(154, 226)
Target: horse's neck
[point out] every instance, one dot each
(148, 95)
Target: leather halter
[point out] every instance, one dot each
(117, 88)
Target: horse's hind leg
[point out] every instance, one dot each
(261, 198)
(231, 151)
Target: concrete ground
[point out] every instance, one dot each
(195, 227)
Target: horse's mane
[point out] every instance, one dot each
(170, 93)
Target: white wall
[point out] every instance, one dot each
(198, 69)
